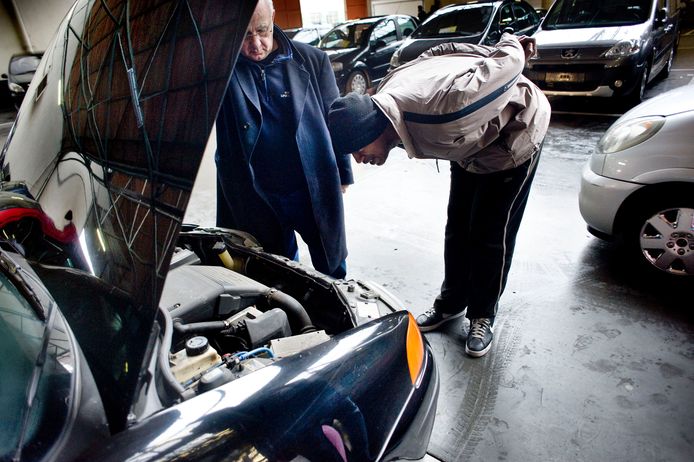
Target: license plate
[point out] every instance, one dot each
(564, 77)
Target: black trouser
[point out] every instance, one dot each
(484, 214)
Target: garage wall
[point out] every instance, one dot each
(28, 25)
(395, 6)
(11, 42)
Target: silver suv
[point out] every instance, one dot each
(601, 48)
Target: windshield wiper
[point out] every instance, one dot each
(33, 385)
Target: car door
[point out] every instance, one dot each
(383, 42)
(664, 33)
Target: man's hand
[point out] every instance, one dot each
(529, 46)
(344, 187)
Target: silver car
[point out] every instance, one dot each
(638, 186)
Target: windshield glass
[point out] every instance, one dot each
(346, 36)
(572, 14)
(30, 429)
(464, 22)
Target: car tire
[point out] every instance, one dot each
(659, 234)
(357, 82)
(637, 94)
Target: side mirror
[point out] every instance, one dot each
(378, 44)
(3, 76)
(661, 16)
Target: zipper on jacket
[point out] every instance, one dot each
(263, 81)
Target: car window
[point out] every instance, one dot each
(21, 346)
(23, 64)
(505, 17)
(466, 21)
(568, 14)
(345, 36)
(306, 36)
(386, 32)
(407, 25)
(525, 15)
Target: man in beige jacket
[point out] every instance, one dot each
(471, 105)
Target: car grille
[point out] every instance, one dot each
(566, 77)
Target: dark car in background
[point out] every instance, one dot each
(126, 334)
(360, 50)
(601, 48)
(480, 22)
(20, 71)
(308, 34)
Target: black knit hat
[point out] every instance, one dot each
(354, 121)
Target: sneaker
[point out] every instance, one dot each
(433, 318)
(479, 339)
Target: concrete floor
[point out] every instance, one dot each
(591, 362)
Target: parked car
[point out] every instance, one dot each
(127, 335)
(310, 34)
(638, 186)
(604, 49)
(478, 22)
(360, 50)
(20, 71)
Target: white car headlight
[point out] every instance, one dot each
(337, 67)
(623, 48)
(15, 88)
(627, 134)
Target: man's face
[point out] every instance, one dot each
(258, 43)
(374, 153)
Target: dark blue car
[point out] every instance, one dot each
(360, 50)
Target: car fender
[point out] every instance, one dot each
(666, 175)
(299, 404)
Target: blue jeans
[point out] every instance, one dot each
(295, 214)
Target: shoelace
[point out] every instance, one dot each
(430, 312)
(479, 327)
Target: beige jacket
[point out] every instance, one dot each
(467, 103)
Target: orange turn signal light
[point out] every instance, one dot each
(415, 349)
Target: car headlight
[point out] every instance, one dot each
(15, 88)
(624, 48)
(337, 67)
(627, 134)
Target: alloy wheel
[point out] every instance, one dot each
(667, 241)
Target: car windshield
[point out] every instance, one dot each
(345, 36)
(35, 364)
(305, 35)
(463, 22)
(24, 64)
(596, 13)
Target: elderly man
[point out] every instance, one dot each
(277, 173)
(471, 105)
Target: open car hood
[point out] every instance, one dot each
(109, 140)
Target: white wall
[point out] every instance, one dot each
(9, 40)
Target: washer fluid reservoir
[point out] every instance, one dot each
(197, 357)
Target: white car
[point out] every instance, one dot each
(638, 186)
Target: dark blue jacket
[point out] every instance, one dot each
(240, 202)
